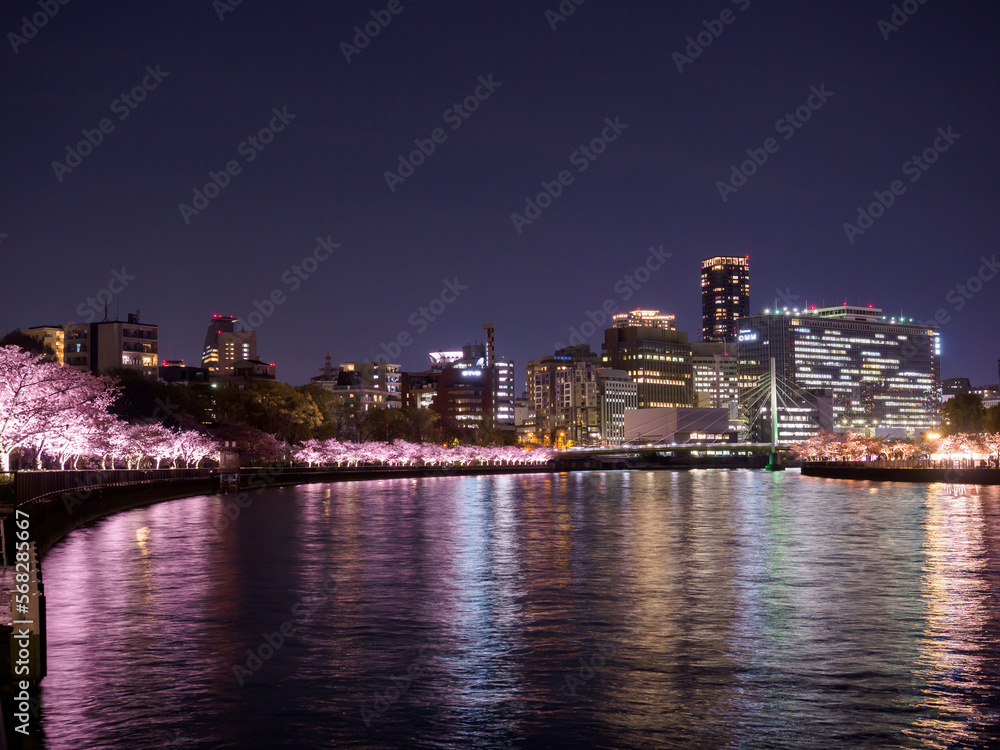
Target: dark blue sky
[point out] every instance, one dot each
(323, 175)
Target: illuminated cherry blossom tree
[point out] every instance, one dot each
(403, 453)
(991, 444)
(39, 400)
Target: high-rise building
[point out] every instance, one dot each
(655, 355)
(715, 370)
(575, 400)
(465, 389)
(112, 345)
(884, 374)
(53, 337)
(495, 372)
(617, 394)
(725, 296)
(225, 346)
(563, 391)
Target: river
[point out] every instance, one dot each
(645, 609)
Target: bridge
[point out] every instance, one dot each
(719, 455)
(759, 402)
(719, 448)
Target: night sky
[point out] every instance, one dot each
(211, 84)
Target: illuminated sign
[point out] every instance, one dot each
(471, 373)
(749, 336)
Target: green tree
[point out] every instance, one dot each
(331, 409)
(275, 408)
(172, 405)
(29, 344)
(991, 423)
(384, 425)
(963, 413)
(423, 424)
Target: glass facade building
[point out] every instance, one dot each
(884, 373)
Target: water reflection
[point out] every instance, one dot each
(601, 609)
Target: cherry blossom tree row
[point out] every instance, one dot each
(402, 453)
(61, 414)
(853, 447)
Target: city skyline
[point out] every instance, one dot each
(336, 193)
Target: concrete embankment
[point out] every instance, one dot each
(901, 474)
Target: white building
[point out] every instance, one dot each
(617, 394)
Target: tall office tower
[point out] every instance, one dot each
(884, 373)
(224, 345)
(657, 357)
(725, 296)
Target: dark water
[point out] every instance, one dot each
(596, 610)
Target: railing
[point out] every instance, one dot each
(30, 485)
